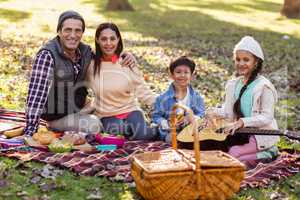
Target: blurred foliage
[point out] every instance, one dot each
(13, 15)
(17, 53)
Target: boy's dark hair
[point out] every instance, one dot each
(183, 60)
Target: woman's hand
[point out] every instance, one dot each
(128, 60)
(234, 126)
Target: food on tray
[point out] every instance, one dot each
(58, 146)
(43, 136)
(14, 133)
(74, 139)
(79, 141)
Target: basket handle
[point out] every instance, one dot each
(194, 124)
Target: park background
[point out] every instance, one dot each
(156, 32)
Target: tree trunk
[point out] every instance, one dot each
(119, 5)
(291, 8)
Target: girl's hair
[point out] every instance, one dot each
(99, 53)
(237, 105)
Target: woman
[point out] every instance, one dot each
(117, 88)
(249, 102)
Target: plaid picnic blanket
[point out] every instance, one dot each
(115, 165)
(264, 173)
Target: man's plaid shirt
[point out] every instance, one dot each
(39, 87)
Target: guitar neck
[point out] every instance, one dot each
(256, 131)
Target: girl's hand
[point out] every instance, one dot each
(127, 60)
(234, 126)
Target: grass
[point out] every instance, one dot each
(288, 189)
(14, 15)
(19, 178)
(157, 32)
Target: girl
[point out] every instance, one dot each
(249, 102)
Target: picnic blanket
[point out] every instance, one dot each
(115, 165)
(265, 173)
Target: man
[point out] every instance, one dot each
(56, 91)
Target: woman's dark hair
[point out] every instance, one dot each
(237, 105)
(183, 60)
(99, 53)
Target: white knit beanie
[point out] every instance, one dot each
(248, 43)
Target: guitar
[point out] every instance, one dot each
(216, 131)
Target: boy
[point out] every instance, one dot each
(180, 91)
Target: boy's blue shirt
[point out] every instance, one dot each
(164, 103)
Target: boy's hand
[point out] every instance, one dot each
(180, 118)
(165, 125)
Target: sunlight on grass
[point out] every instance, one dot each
(288, 110)
(127, 195)
(157, 7)
(12, 92)
(252, 17)
(42, 20)
(13, 15)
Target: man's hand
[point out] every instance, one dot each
(128, 60)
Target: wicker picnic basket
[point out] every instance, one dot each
(175, 174)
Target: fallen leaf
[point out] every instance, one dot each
(44, 197)
(3, 183)
(22, 193)
(131, 185)
(95, 194)
(23, 172)
(46, 187)
(35, 179)
(49, 172)
(6, 194)
(21, 165)
(46, 172)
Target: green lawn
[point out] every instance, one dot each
(157, 32)
(19, 180)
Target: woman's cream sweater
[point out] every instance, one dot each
(117, 89)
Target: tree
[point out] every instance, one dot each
(291, 8)
(119, 5)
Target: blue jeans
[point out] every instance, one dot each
(133, 127)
